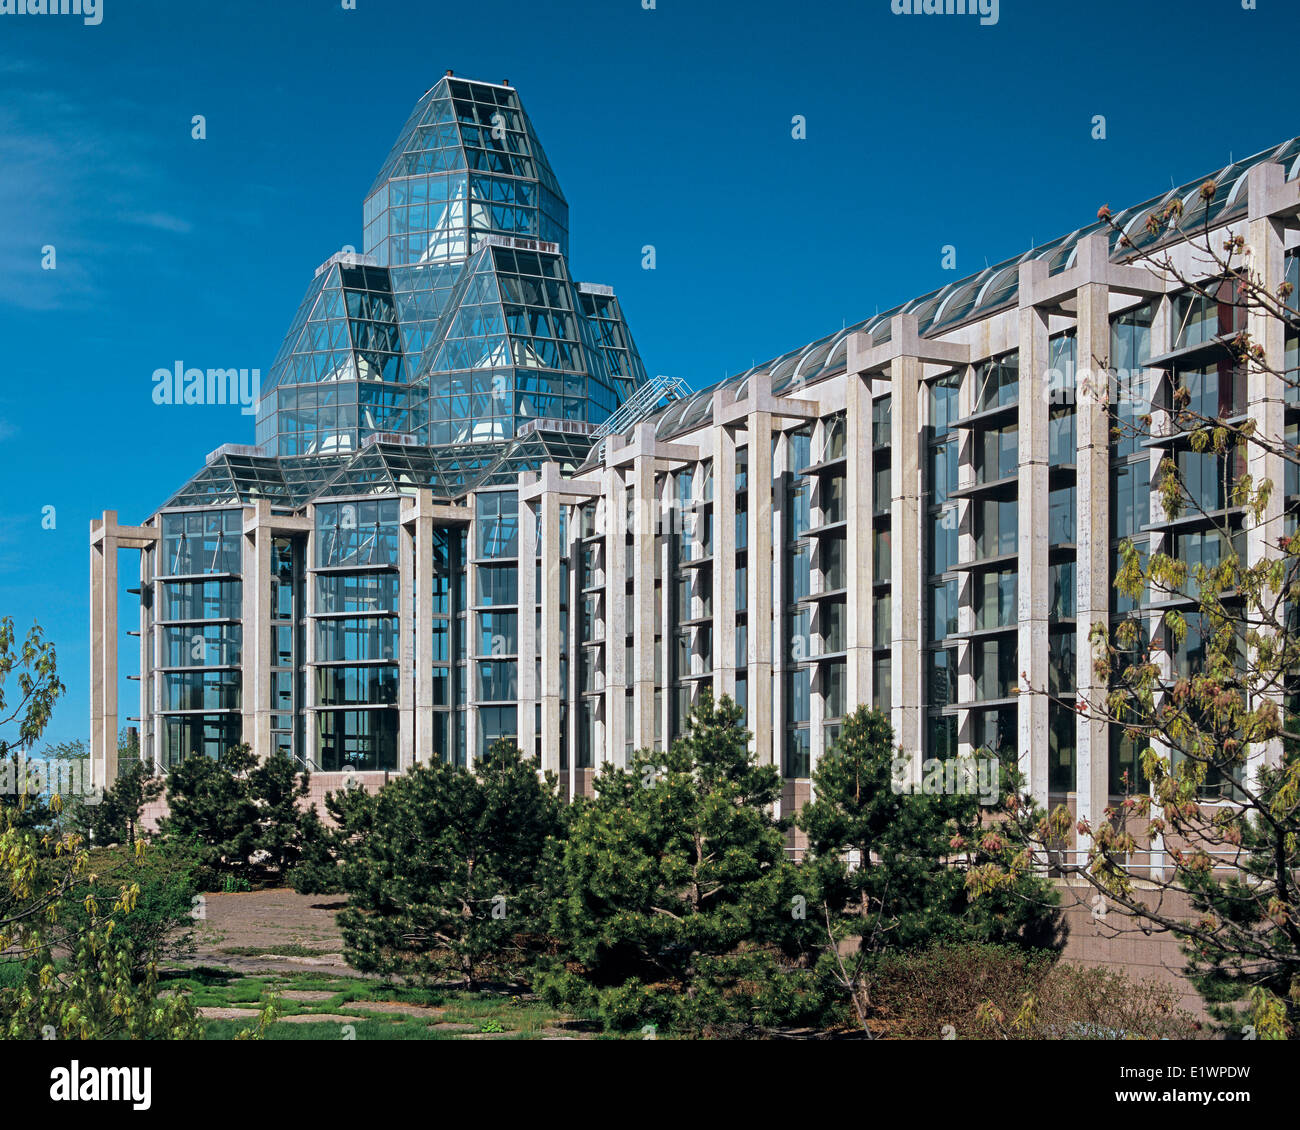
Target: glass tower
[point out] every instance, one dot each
(459, 323)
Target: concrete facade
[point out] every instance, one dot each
(920, 513)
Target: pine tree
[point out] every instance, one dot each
(443, 868)
(894, 869)
(676, 906)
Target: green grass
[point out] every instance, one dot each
(504, 1016)
(291, 949)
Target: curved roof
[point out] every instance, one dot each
(992, 289)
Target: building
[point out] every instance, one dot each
(918, 512)
(291, 591)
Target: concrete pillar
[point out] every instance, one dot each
(256, 659)
(906, 563)
(103, 650)
(616, 626)
(310, 705)
(858, 504)
(571, 688)
(551, 636)
(527, 674)
(762, 605)
(1092, 568)
(1032, 596)
(1162, 335)
(406, 586)
(422, 746)
(645, 520)
(1266, 395)
(724, 563)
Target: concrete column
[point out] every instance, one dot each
(1032, 596)
(103, 650)
(774, 612)
(1162, 336)
(423, 750)
(666, 625)
(310, 706)
(645, 521)
(906, 564)
(761, 603)
(858, 503)
(147, 652)
(724, 563)
(257, 658)
(551, 690)
(616, 626)
(571, 689)
(106, 538)
(1266, 393)
(1092, 568)
(527, 675)
(470, 627)
(406, 586)
(151, 642)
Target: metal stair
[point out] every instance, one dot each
(642, 403)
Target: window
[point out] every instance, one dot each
(1062, 442)
(881, 412)
(362, 739)
(943, 470)
(496, 516)
(1062, 664)
(995, 599)
(356, 533)
(1131, 384)
(356, 640)
(997, 453)
(202, 600)
(1205, 550)
(995, 668)
(1061, 578)
(943, 609)
(997, 382)
(497, 585)
(356, 686)
(1199, 318)
(880, 554)
(943, 540)
(1061, 761)
(881, 627)
(1061, 516)
(941, 677)
(204, 542)
(941, 736)
(943, 403)
(1207, 478)
(1214, 391)
(1131, 494)
(881, 698)
(349, 592)
(996, 528)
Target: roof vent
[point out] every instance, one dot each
(402, 439)
(248, 449)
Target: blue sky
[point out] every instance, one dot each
(669, 127)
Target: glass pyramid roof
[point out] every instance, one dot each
(460, 322)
